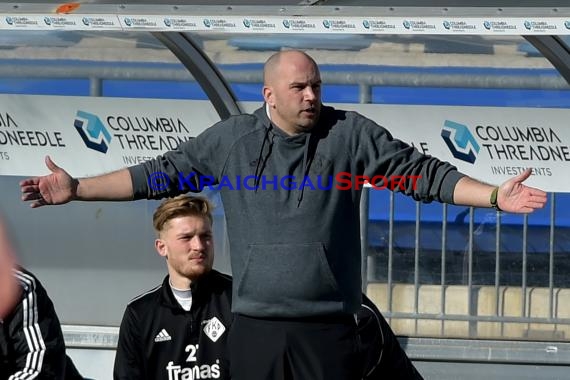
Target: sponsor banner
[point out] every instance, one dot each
(260, 24)
(301, 25)
(146, 22)
(419, 26)
(503, 26)
(104, 22)
(292, 24)
(221, 24)
(491, 144)
(462, 26)
(188, 23)
(180, 23)
(183, 23)
(380, 26)
(59, 22)
(543, 26)
(23, 22)
(88, 136)
(343, 25)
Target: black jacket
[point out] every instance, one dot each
(160, 340)
(31, 340)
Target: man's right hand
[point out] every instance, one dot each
(53, 189)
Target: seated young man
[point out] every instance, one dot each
(179, 329)
(31, 340)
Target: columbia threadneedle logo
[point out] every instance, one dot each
(162, 336)
(460, 141)
(92, 131)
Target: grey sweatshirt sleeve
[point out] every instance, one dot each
(424, 177)
(194, 164)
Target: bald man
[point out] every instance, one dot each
(289, 178)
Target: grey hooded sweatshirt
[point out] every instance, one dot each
(295, 239)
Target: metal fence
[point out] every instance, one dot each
(491, 308)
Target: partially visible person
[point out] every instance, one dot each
(9, 289)
(31, 340)
(179, 329)
(380, 352)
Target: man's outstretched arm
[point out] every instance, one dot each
(512, 196)
(59, 187)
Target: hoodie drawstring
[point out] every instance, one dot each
(306, 166)
(262, 160)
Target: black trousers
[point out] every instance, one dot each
(299, 349)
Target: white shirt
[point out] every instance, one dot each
(183, 296)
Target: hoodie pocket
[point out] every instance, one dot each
(287, 272)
